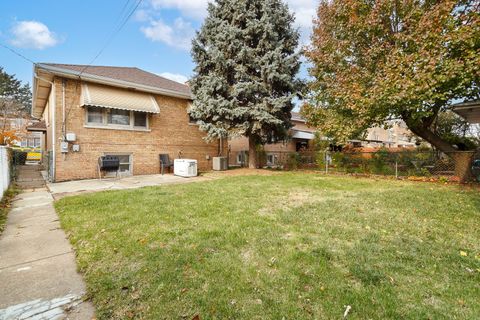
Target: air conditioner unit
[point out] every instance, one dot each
(220, 163)
(185, 167)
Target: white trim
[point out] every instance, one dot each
(275, 159)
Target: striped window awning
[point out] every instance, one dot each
(297, 134)
(118, 98)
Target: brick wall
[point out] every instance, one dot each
(241, 143)
(170, 132)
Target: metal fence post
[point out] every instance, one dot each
(326, 161)
(396, 169)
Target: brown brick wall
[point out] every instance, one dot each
(241, 143)
(170, 133)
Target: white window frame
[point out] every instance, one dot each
(240, 155)
(35, 144)
(274, 158)
(106, 125)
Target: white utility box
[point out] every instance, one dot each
(71, 137)
(185, 167)
(220, 163)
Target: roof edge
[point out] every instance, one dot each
(112, 82)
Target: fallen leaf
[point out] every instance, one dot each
(463, 253)
(347, 310)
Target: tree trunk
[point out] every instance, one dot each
(252, 152)
(462, 160)
(432, 138)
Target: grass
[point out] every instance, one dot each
(5, 203)
(286, 246)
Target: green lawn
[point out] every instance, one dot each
(286, 246)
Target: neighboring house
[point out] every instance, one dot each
(396, 135)
(91, 111)
(469, 110)
(26, 138)
(301, 137)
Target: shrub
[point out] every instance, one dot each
(293, 161)
(19, 157)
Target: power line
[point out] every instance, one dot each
(127, 17)
(17, 53)
(125, 5)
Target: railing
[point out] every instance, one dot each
(407, 163)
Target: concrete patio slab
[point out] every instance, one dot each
(62, 189)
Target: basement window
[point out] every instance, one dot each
(126, 163)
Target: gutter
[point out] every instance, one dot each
(113, 82)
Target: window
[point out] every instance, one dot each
(271, 159)
(242, 157)
(125, 165)
(115, 118)
(140, 119)
(301, 146)
(192, 120)
(121, 117)
(125, 162)
(95, 115)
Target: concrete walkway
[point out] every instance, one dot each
(29, 177)
(38, 275)
(61, 189)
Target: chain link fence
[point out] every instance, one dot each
(407, 163)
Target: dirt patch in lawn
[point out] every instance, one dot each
(241, 172)
(293, 199)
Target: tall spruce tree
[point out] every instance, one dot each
(245, 75)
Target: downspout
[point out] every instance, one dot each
(64, 126)
(220, 153)
(54, 157)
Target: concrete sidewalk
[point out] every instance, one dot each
(68, 188)
(38, 274)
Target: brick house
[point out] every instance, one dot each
(120, 111)
(301, 137)
(21, 124)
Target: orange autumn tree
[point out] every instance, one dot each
(8, 137)
(374, 60)
(15, 102)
